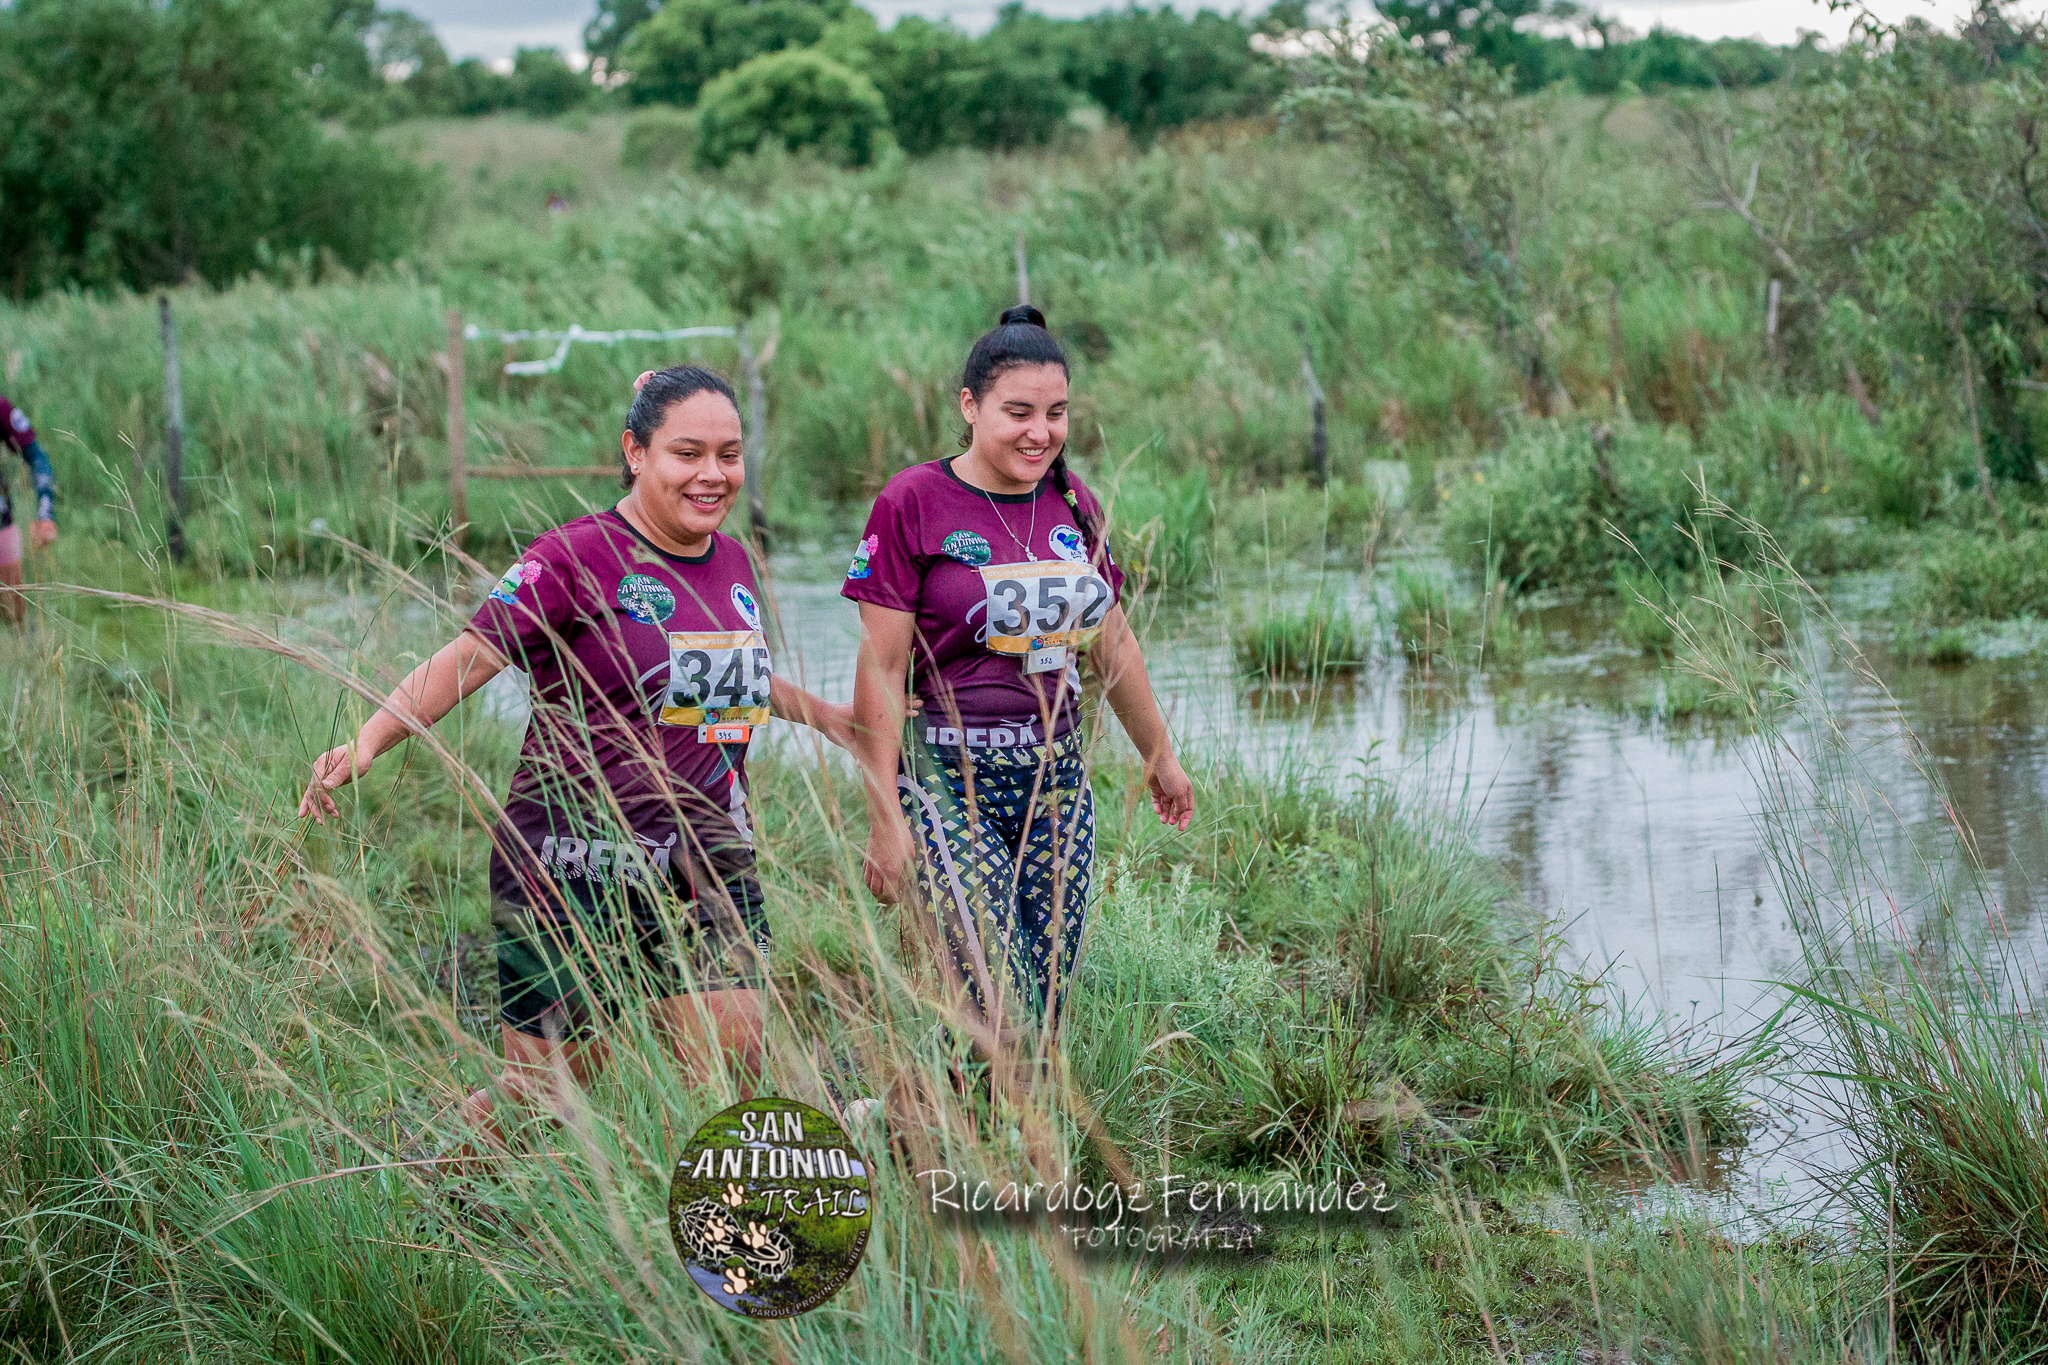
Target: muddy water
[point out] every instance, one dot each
(1639, 836)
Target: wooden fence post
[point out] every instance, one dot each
(753, 445)
(458, 434)
(174, 435)
(1319, 440)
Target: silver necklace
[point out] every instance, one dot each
(1004, 522)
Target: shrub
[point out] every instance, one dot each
(677, 53)
(1306, 642)
(798, 100)
(544, 84)
(658, 138)
(1964, 577)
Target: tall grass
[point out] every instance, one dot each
(233, 1054)
(1308, 642)
(1920, 992)
(1177, 275)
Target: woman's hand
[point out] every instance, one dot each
(887, 860)
(336, 768)
(1173, 796)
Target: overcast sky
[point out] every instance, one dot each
(495, 28)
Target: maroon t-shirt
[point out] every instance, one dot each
(14, 426)
(631, 652)
(937, 546)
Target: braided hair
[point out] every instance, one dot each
(1019, 338)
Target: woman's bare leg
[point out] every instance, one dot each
(734, 1030)
(537, 1072)
(12, 604)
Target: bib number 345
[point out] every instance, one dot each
(718, 681)
(1040, 610)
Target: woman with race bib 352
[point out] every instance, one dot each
(983, 583)
(623, 866)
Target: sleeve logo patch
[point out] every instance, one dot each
(743, 602)
(967, 547)
(862, 553)
(524, 572)
(1068, 545)
(647, 600)
(20, 420)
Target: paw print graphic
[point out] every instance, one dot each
(718, 1229)
(755, 1236)
(734, 1196)
(736, 1280)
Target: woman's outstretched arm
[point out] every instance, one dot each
(787, 701)
(428, 693)
(1121, 666)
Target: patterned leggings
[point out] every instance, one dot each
(1009, 842)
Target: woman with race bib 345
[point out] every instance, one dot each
(984, 582)
(624, 864)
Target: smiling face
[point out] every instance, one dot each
(689, 473)
(1020, 424)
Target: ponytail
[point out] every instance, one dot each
(1020, 338)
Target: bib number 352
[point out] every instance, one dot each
(718, 681)
(1038, 608)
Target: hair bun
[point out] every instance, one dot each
(1020, 315)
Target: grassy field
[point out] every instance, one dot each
(232, 1044)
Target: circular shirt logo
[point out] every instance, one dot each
(1068, 545)
(967, 547)
(769, 1208)
(646, 600)
(743, 603)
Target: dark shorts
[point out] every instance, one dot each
(564, 974)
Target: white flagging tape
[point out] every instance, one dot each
(553, 363)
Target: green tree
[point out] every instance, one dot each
(800, 99)
(1153, 70)
(154, 140)
(1468, 162)
(1901, 196)
(543, 83)
(612, 25)
(945, 89)
(674, 54)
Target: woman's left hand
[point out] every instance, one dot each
(1173, 796)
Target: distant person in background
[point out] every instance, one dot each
(16, 431)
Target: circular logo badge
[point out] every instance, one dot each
(743, 603)
(646, 600)
(769, 1208)
(1068, 545)
(967, 547)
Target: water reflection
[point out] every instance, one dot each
(1640, 835)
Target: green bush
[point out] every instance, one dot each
(544, 84)
(658, 138)
(687, 44)
(1308, 642)
(1963, 577)
(798, 100)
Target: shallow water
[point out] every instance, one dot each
(1640, 835)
